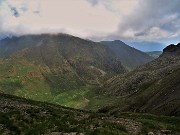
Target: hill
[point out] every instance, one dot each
(154, 54)
(56, 68)
(153, 87)
(130, 57)
(22, 116)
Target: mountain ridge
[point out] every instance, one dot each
(130, 57)
(152, 87)
(56, 68)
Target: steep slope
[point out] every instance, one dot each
(22, 116)
(10, 45)
(55, 68)
(129, 56)
(153, 87)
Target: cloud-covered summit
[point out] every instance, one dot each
(147, 20)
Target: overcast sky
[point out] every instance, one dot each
(131, 20)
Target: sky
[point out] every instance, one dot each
(127, 20)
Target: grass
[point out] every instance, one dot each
(67, 90)
(31, 117)
(73, 98)
(41, 91)
(98, 102)
(36, 90)
(153, 122)
(25, 79)
(22, 116)
(60, 83)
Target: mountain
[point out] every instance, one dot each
(22, 116)
(153, 87)
(74, 72)
(130, 57)
(146, 46)
(154, 54)
(56, 68)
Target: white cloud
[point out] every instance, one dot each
(73, 17)
(151, 20)
(94, 19)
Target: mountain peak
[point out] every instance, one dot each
(115, 42)
(130, 57)
(119, 42)
(172, 48)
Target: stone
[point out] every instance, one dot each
(150, 133)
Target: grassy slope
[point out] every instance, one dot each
(55, 68)
(15, 79)
(22, 116)
(153, 87)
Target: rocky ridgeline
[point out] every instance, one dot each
(172, 48)
(155, 70)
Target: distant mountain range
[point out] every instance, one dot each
(154, 54)
(146, 46)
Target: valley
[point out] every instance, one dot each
(89, 67)
(110, 82)
(59, 68)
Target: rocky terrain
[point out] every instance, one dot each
(153, 87)
(21, 116)
(69, 71)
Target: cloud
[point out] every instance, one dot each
(152, 19)
(93, 2)
(14, 12)
(94, 19)
(72, 17)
